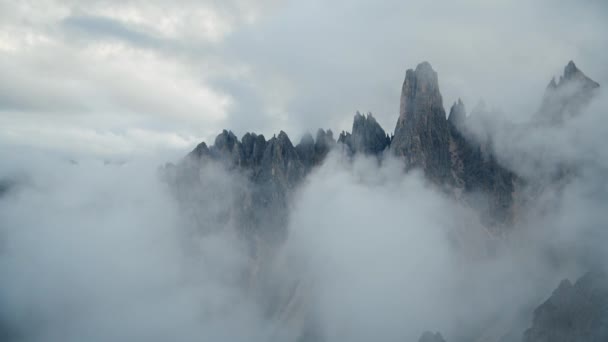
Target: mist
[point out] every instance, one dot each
(111, 231)
(97, 252)
(100, 251)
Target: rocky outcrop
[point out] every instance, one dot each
(568, 97)
(486, 184)
(271, 170)
(573, 313)
(324, 142)
(457, 115)
(367, 135)
(306, 149)
(421, 135)
(447, 150)
(456, 153)
(281, 162)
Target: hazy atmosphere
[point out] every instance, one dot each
(138, 204)
(131, 77)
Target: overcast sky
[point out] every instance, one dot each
(118, 78)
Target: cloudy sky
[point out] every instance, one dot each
(117, 78)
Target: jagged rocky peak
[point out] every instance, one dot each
(568, 97)
(421, 135)
(324, 142)
(280, 148)
(281, 160)
(572, 73)
(253, 146)
(225, 141)
(200, 151)
(325, 137)
(306, 150)
(367, 136)
(576, 312)
(458, 114)
(428, 336)
(344, 138)
(227, 148)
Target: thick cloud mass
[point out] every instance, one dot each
(98, 253)
(94, 251)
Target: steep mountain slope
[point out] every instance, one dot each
(424, 138)
(573, 313)
(422, 135)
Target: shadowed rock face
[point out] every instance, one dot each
(324, 142)
(368, 137)
(457, 115)
(486, 184)
(573, 313)
(421, 135)
(568, 97)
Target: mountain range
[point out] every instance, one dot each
(450, 150)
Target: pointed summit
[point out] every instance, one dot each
(367, 137)
(568, 97)
(457, 114)
(572, 73)
(570, 69)
(421, 135)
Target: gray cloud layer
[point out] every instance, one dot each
(186, 71)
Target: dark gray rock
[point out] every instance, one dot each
(306, 151)
(200, 151)
(324, 142)
(458, 114)
(421, 135)
(228, 149)
(488, 186)
(367, 135)
(253, 147)
(281, 162)
(346, 142)
(573, 313)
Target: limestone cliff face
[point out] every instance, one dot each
(486, 184)
(421, 135)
